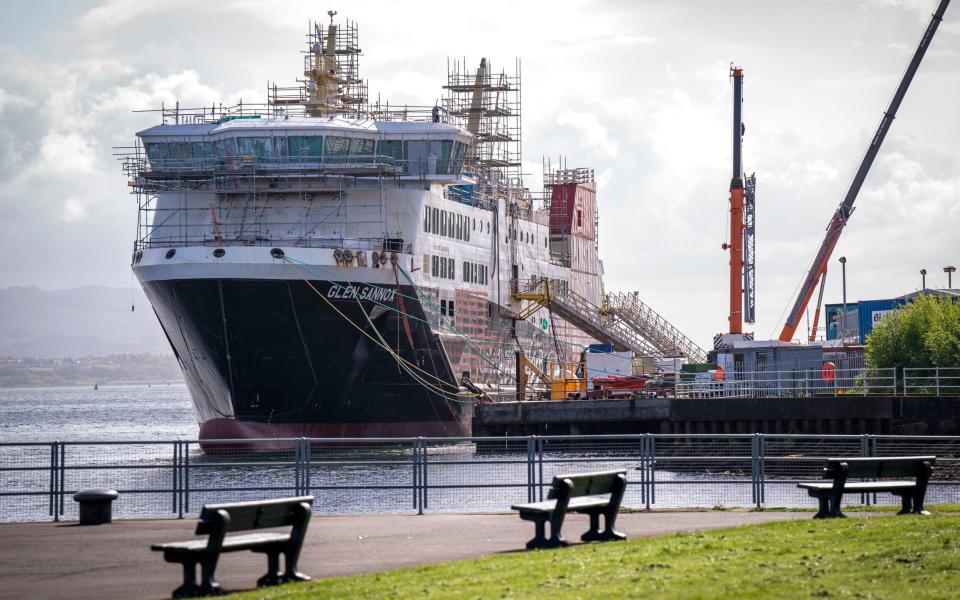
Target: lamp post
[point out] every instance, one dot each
(949, 271)
(843, 321)
(923, 274)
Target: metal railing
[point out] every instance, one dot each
(934, 381)
(173, 479)
(785, 384)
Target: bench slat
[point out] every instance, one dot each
(588, 484)
(231, 543)
(252, 515)
(880, 466)
(547, 506)
(861, 486)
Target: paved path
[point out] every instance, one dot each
(63, 560)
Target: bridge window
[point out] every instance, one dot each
(308, 146)
(362, 148)
(202, 149)
(416, 156)
(393, 149)
(336, 146)
(226, 149)
(179, 151)
(260, 147)
(155, 150)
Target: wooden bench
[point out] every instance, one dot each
(911, 493)
(217, 520)
(580, 494)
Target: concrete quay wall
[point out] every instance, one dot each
(813, 415)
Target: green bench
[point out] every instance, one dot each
(580, 493)
(840, 470)
(217, 520)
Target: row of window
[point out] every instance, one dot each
(446, 308)
(474, 273)
(441, 266)
(526, 238)
(450, 224)
(443, 157)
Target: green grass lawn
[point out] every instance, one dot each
(879, 557)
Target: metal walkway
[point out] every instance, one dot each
(623, 321)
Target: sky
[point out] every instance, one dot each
(638, 90)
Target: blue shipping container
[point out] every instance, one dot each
(871, 311)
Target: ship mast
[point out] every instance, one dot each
(331, 84)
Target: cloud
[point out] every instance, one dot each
(594, 135)
(9, 100)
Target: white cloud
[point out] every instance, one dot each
(594, 135)
(8, 100)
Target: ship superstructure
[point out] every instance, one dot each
(327, 266)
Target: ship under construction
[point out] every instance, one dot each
(325, 265)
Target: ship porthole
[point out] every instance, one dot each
(170, 253)
(219, 252)
(276, 253)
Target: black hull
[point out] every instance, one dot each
(272, 358)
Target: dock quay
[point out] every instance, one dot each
(855, 415)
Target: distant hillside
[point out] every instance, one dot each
(113, 369)
(84, 321)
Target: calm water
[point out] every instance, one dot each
(367, 477)
(129, 412)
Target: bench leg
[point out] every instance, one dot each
(292, 574)
(906, 502)
(593, 534)
(539, 537)
(209, 585)
(824, 511)
(272, 576)
(609, 533)
(920, 492)
(189, 588)
(610, 520)
(835, 501)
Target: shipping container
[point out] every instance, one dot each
(871, 311)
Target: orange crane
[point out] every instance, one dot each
(742, 218)
(839, 220)
(736, 209)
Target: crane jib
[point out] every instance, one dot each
(843, 213)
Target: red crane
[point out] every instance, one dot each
(839, 220)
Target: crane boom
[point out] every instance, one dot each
(842, 215)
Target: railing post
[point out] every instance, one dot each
(175, 475)
(415, 462)
(297, 450)
(531, 477)
(186, 477)
(63, 476)
(54, 454)
(643, 469)
(182, 453)
(754, 452)
(307, 458)
(652, 473)
(540, 442)
(424, 482)
(936, 378)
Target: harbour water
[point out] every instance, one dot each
(129, 412)
(160, 477)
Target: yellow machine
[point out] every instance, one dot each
(561, 380)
